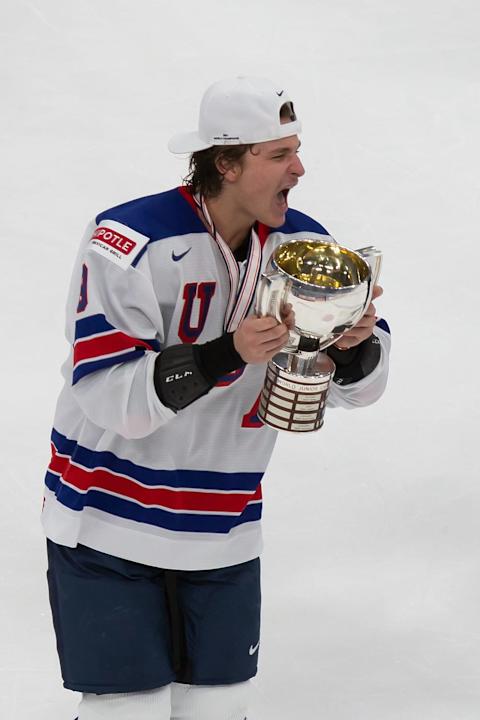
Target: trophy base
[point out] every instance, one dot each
(295, 391)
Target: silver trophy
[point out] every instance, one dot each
(329, 288)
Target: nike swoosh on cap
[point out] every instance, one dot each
(176, 258)
(253, 649)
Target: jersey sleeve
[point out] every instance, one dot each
(370, 388)
(115, 327)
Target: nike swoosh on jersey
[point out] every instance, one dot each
(253, 649)
(176, 258)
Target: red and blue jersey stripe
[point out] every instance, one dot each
(98, 344)
(179, 500)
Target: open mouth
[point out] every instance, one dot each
(282, 196)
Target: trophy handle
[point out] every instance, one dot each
(269, 296)
(271, 291)
(374, 258)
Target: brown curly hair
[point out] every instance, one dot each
(204, 177)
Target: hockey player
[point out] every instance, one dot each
(153, 494)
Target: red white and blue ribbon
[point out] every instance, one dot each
(242, 289)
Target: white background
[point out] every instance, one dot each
(371, 567)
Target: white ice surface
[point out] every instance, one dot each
(372, 563)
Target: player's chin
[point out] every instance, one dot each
(276, 218)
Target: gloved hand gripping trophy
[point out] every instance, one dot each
(329, 288)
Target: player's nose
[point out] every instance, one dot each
(297, 167)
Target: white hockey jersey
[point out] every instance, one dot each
(128, 476)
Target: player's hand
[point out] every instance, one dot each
(364, 328)
(257, 340)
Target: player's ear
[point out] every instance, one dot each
(228, 168)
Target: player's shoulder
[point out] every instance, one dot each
(123, 233)
(154, 216)
(296, 221)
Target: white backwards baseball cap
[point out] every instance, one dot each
(237, 111)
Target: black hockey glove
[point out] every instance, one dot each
(184, 373)
(356, 363)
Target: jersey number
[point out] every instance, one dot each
(83, 299)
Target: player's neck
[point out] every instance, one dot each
(231, 223)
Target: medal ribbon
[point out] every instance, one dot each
(241, 292)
